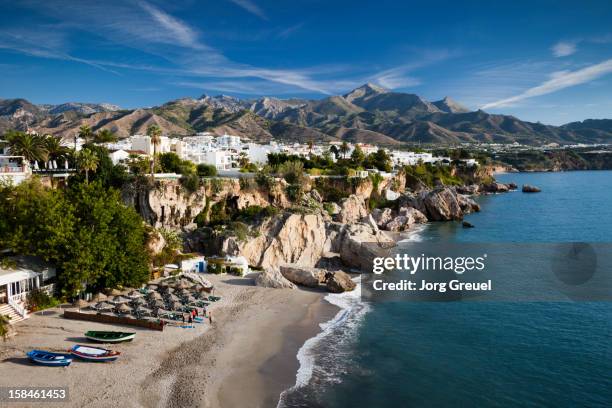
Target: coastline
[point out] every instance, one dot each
(251, 347)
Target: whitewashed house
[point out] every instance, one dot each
(14, 169)
(17, 282)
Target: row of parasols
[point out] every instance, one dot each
(152, 300)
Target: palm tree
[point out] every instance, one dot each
(344, 149)
(105, 136)
(85, 133)
(154, 132)
(88, 161)
(30, 146)
(310, 146)
(54, 147)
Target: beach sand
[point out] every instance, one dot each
(246, 358)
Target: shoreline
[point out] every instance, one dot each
(251, 347)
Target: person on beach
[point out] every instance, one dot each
(210, 317)
(183, 317)
(190, 319)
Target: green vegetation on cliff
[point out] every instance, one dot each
(94, 240)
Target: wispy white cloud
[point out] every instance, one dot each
(558, 81)
(251, 7)
(183, 33)
(564, 48)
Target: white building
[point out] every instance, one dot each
(121, 156)
(166, 144)
(228, 141)
(16, 283)
(14, 169)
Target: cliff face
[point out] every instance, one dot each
(166, 204)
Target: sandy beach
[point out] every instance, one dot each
(247, 357)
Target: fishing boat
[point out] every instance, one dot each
(50, 359)
(109, 336)
(89, 353)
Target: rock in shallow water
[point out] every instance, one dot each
(338, 282)
(527, 188)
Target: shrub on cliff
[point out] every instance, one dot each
(206, 170)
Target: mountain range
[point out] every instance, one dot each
(368, 114)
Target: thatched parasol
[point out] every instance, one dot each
(190, 299)
(158, 303)
(172, 298)
(120, 299)
(182, 285)
(152, 287)
(143, 311)
(80, 303)
(139, 301)
(102, 306)
(154, 296)
(183, 292)
(134, 294)
(98, 297)
(123, 308)
(176, 306)
(115, 292)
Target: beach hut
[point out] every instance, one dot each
(123, 309)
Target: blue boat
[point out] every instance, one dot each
(50, 359)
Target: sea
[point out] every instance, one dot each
(476, 354)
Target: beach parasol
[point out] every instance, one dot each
(183, 292)
(103, 306)
(98, 297)
(115, 292)
(123, 308)
(134, 294)
(139, 301)
(189, 299)
(176, 306)
(182, 285)
(141, 311)
(172, 298)
(158, 303)
(80, 303)
(120, 299)
(154, 296)
(152, 287)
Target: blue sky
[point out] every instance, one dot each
(548, 61)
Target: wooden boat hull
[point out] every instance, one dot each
(94, 354)
(109, 337)
(49, 359)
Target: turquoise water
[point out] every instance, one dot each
(488, 354)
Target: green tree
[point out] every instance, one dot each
(292, 172)
(31, 146)
(206, 170)
(170, 162)
(154, 132)
(358, 156)
(88, 161)
(105, 136)
(344, 149)
(85, 133)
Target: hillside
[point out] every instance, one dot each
(367, 114)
